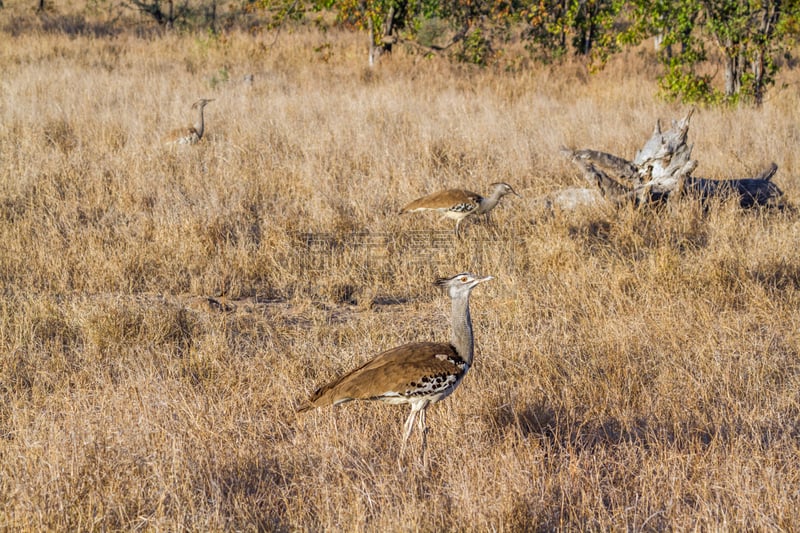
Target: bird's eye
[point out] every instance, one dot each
(463, 279)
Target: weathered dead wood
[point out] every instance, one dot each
(662, 169)
(751, 191)
(569, 199)
(615, 177)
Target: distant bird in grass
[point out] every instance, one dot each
(458, 204)
(419, 374)
(191, 134)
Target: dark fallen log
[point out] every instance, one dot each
(751, 191)
(662, 169)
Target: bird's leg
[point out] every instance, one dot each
(423, 429)
(408, 427)
(458, 224)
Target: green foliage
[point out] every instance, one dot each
(681, 84)
(556, 27)
(544, 35)
(591, 22)
(430, 31)
(282, 11)
(476, 48)
(750, 35)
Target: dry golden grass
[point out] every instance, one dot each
(634, 370)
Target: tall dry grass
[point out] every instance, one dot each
(164, 308)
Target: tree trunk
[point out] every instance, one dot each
(733, 71)
(769, 17)
(758, 77)
(211, 15)
(374, 52)
(388, 27)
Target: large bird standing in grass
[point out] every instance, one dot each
(418, 374)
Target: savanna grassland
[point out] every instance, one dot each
(165, 308)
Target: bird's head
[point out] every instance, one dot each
(202, 102)
(504, 188)
(461, 284)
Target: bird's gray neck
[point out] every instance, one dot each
(462, 328)
(198, 127)
(488, 203)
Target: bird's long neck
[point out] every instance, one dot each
(488, 203)
(462, 328)
(199, 125)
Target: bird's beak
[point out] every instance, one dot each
(516, 193)
(481, 280)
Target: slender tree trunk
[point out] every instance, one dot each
(769, 17)
(758, 77)
(374, 52)
(388, 28)
(211, 15)
(658, 45)
(587, 43)
(658, 38)
(733, 71)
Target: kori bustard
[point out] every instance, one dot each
(191, 134)
(419, 373)
(458, 204)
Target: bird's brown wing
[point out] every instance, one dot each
(180, 133)
(442, 200)
(393, 371)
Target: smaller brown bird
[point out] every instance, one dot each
(419, 374)
(191, 134)
(458, 204)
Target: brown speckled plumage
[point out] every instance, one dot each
(395, 376)
(458, 204)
